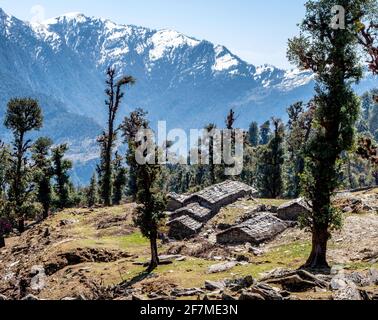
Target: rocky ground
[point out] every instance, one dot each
(99, 254)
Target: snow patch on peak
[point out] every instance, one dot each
(224, 60)
(295, 78)
(260, 70)
(68, 17)
(167, 40)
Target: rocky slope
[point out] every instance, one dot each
(99, 254)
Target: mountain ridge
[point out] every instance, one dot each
(180, 79)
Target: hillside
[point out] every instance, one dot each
(98, 253)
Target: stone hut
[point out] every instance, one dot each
(195, 211)
(292, 210)
(183, 228)
(220, 195)
(175, 201)
(262, 227)
(191, 212)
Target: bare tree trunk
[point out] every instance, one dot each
(318, 256)
(21, 225)
(45, 212)
(154, 253)
(2, 241)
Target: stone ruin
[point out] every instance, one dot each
(262, 227)
(292, 210)
(189, 213)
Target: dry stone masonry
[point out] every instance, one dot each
(191, 212)
(262, 227)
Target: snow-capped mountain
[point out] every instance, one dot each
(180, 79)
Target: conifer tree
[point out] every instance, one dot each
(22, 116)
(299, 129)
(253, 134)
(270, 161)
(4, 163)
(130, 127)
(120, 179)
(265, 133)
(151, 200)
(107, 139)
(331, 53)
(43, 172)
(92, 192)
(212, 167)
(61, 168)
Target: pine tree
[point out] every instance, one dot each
(270, 161)
(212, 167)
(43, 172)
(130, 127)
(299, 129)
(265, 133)
(253, 134)
(151, 200)
(92, 192)
(108, 138)
(331, 53)
(120, 179)
(61, 168)
(22, 116)
(4, 163)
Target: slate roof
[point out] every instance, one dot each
(218, 192)
(195, 211)
(186, 222)
(178, 197)
(262, 227)
(300, 202)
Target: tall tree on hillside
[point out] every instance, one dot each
(22, 116)
(299, 129)
(265, 133)
(43, 172)
(270, 161)
(61, 168)
(253, 134)
(107, 139)
(152, 206)
(330, 51)
(92, 192)
(212, 169)
(4, 163)
(120, 179)
(130, 127)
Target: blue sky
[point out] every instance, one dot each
(256, 30)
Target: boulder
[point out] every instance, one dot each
(373, 275)
(186, 292)
(266, 291)
(292, 210)
(249, 296)
(348, 291)
(222, 267)
(228, 297)
(239, 284)
(30, 297)
(38, 280)
(294, 283)
(214, 285)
